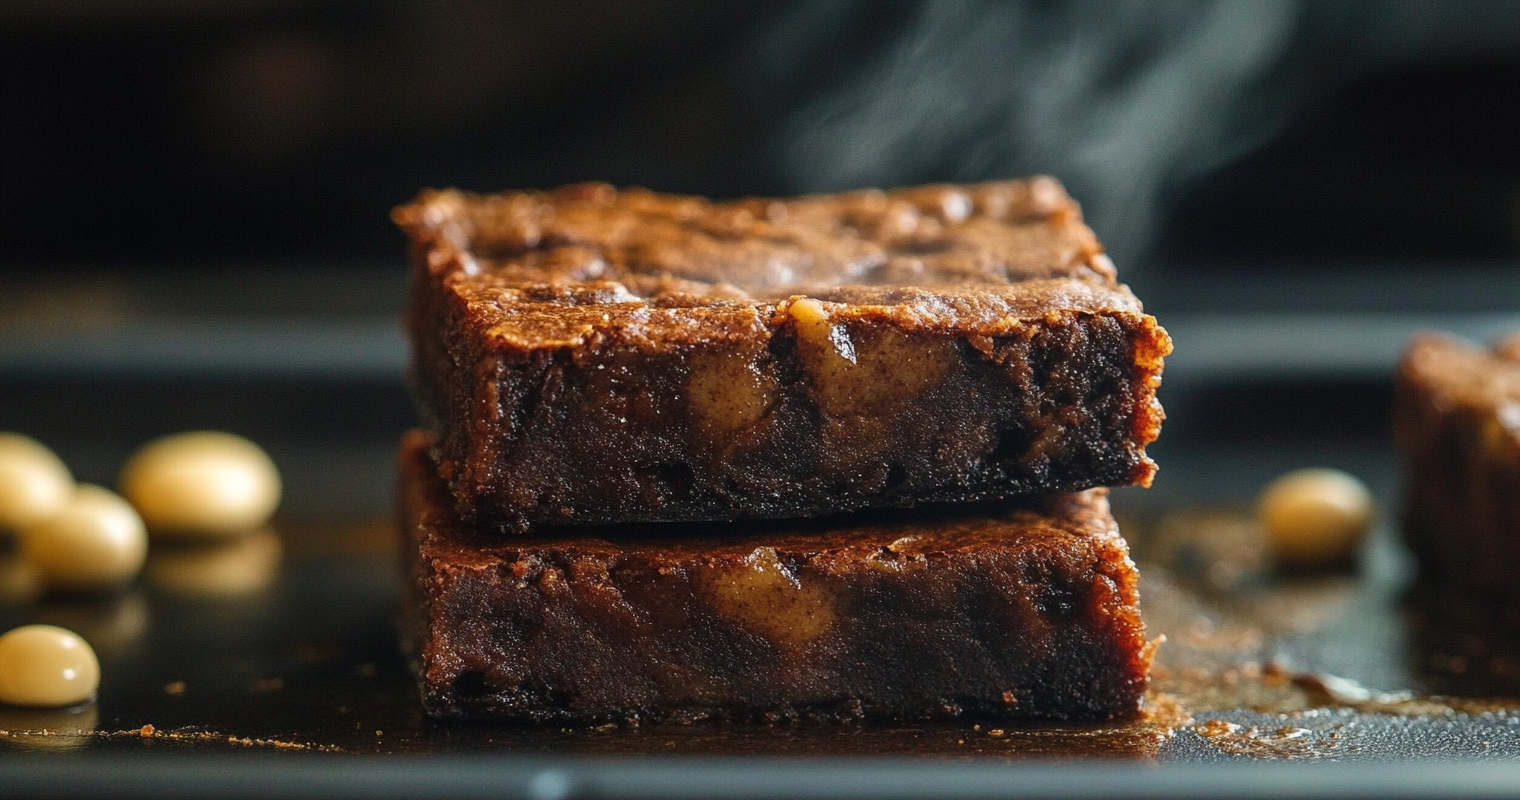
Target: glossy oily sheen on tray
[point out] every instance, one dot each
(591, 355)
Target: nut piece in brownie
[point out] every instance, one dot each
(589, 355)
(1457, 422)
(1021, 610)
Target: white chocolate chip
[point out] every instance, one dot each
(729, 392)
(1315, 517)
(818, 332)
(203, 484)
(45, 666)
(766, 597)
(34, 483)
(95, 542)
(875, 376)
(807, 311)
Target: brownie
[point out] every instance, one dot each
(1457, 423)
(591, 355)
(1024, 609)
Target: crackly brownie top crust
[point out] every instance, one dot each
(544, 269)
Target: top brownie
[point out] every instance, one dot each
(589, 355)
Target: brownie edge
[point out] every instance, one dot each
(1457, 425)
(1021, 610)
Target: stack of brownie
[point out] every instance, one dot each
(832, 456)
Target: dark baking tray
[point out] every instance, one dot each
(1323, 685)
(297, 689)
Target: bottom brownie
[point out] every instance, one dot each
(1024, 610)
(1457, 422)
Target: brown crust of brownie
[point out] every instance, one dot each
(1021, 611)
(1457, 424)
(594, 356)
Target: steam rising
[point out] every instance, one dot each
(1112, 98)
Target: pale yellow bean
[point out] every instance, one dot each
(33, 481)
(203, 484)
(95, 542)
(1315, 517)
(45, 666)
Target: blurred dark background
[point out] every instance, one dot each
(194, 196)
(1295, 132)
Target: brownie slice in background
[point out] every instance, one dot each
(1457, 424)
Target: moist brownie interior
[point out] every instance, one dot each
(1023, 610)
(591, 356)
